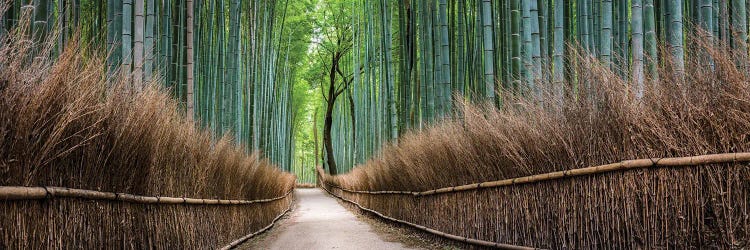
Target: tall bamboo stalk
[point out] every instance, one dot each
(489, 67)
(138, 38)
(637, 27)
(190, 64)
(127, 38)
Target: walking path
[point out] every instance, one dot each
(320, 222)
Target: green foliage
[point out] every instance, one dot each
(260, 66)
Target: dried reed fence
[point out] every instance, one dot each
(519, 174)
(66, 122)
(55, 217)
(640, 203)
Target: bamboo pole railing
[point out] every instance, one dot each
(623, 165)
(41, 193)
(698, 160)
(433, 231)
(239, 241)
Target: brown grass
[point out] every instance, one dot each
(61, 126)
(701, 206)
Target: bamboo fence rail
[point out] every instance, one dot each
(433, 231)
(40, 193)
(623, 165)
(37, 217)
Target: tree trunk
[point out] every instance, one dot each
(328, 122)
(327, 143)
(315, 137)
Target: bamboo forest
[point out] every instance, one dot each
(374, 124)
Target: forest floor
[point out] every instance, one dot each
(319, 221)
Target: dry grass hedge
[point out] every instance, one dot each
(60, 125)
(701, 206)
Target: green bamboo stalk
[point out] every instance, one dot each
(166, 43)
(127, 42)
(489, 74)
(516, 42)
(446, 55)
(148, 67)
(114, 13)
(706, 23)
(559, 49)
(649, 36)
(676, 38)
(138, 37)
(623, 46)
(385, 18)
(605, 42)
(428, 58)
(637, 27)
(585, 30)
(739, 26)
(461, 47)
(40, 20)
(595, 25)
(528, 46)
(535, 47)
(190, 66)
(544, 40)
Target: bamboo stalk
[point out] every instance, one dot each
(39, 193)
(623, 165)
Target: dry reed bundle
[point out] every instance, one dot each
(707, 205)
(61, 126)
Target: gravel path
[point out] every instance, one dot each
(320, 222)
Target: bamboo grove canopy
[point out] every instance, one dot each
(235, 64)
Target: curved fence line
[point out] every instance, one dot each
(40, 193)
(239, 241)
(433, 231)
(628, 164)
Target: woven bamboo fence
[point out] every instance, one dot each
(63, 218)
(686, 202)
